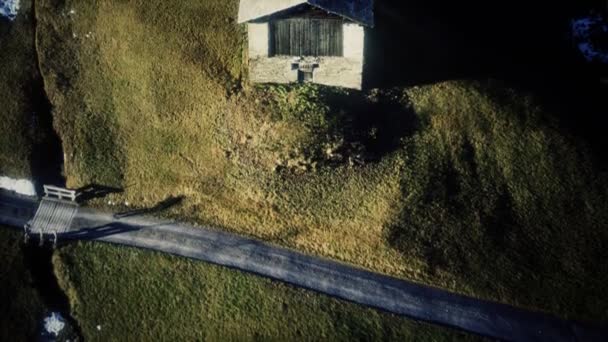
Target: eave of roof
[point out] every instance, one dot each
(360, 11)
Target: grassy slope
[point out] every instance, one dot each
(186, 300)
(477, 197)
(167, 122)
(498, 197)
(21, 307)
(18, 65)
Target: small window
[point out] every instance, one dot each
(305, 76)
(306, 37)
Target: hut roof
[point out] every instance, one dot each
(360, 11)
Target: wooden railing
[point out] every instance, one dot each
(60, 193)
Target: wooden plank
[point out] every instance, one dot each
(60, 193)
(306, 37)
(47, 216)
(53, 219)
(53, 216)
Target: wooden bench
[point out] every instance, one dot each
(60, 193)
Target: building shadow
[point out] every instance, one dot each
(372, 125)
(161, 206)
(524, 45)
(417, 42)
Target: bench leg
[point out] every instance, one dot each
(26, 229)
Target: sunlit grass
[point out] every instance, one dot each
(479, 191)
(137, 295)
(502, 200)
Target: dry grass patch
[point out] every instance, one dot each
(164, 119)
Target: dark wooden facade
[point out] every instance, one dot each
(306, 37)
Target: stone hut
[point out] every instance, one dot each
(319, 41)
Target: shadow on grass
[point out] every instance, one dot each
(372, 125)
(417, 42)
(525, 45)
(39, 262)
(99, 232)
(46, 158)
(93, 191)
(447, 238)
(161, 206)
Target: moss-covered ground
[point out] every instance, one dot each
(468, 185)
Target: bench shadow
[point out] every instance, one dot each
(99, 232)
(161, 206)
(93, 191)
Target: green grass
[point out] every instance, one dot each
(139, 295)
(503, 201)
(22, 308)
(468, 186)
(17, 53)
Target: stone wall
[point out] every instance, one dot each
(344, 71)
(272, 70)
(258, 40)
(339, 72)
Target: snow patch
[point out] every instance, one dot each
(585, 32)
(9, 8)
(54, 324)
(20, 186)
